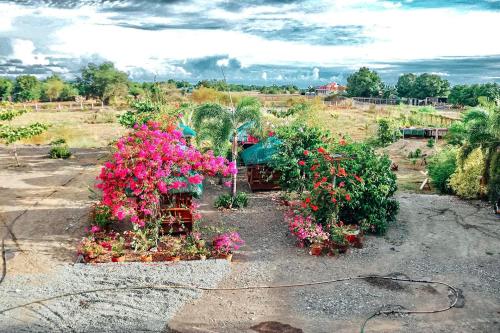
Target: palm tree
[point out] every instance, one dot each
(216, 123)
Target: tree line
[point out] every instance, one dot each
(108, 84)
(368, 83)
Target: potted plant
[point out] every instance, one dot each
(224, 245)
(316, 249)
(90, 250)
(117, 250)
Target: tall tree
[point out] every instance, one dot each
(430, 85)
(52, 88)
(218, 123)
(6, 86)
(364, 83)
(27, 88)
(406, 85)
(100, 80)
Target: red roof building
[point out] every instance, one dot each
(330, 88)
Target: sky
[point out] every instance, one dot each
(255, 41)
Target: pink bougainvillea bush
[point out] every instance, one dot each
(149, 162)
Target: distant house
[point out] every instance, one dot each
(330, 88)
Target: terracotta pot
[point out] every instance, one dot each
(228, 257)
(316, 249)
(146, 258)
(118, 259)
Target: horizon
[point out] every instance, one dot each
(257, 42)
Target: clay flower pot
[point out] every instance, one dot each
(118, 259)
(316, 249)
(227, 256)
(146, 258)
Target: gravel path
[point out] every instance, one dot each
(108, 311)
(436, 237)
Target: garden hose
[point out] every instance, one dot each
(295, 285)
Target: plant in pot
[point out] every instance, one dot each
(118, 250)
(90, 250)
(338, 237)
(224, 245)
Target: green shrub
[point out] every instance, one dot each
(415, 154)
(388, 132)
(441, 166)
(225, 201)
(295, 140)
(372, 205)
(494, 182)
(59, 149)
(466, 181)
(431, 142)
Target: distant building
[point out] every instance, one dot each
(330, 88)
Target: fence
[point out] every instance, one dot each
(60, 106)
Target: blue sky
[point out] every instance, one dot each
(257, 41)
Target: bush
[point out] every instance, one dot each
(441, 166)
(59, 149)
(431, 142)
(372, 205)
(388, 132)
(225, 201)
(295, 140)
(466, 181)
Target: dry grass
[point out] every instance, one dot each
(74, 128)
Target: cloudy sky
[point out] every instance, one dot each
(258, 41)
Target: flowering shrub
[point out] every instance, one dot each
(227, 242)
(149, 162)
(305, 228)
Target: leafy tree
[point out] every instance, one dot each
(6, 87)
(212, 120)
(406, 85)
(10, 134)
(27, 88)
(52, 88)
(468, 95)
(430, 85)
(441, 167)
(102, 81)
(68, 93)
(364, 83)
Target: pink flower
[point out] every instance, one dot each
(120, 215)
(302, 163)
(95, 228)
(196, 179)
(228, 183)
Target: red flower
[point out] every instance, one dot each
(348, 197)
(334, 200)
(324, 179)
(314, 208)
(342, 172)
(342, 142)
(318, 184)
(271, 133)
(308, 200)
(302, 163)
(351, 238)
(321, 150)
(314, 167)
(342, 184)
(306, 152)
(358, 178)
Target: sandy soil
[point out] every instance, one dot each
(44, 207)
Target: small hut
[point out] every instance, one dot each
(257, 158)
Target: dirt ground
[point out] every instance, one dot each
(44, 206)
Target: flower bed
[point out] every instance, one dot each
(147, 187)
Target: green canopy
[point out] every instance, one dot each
(187, 131)
(262, 152)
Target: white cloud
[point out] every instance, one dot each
(315, 73)
(24, 50)
(395, 34)
(264, 76)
